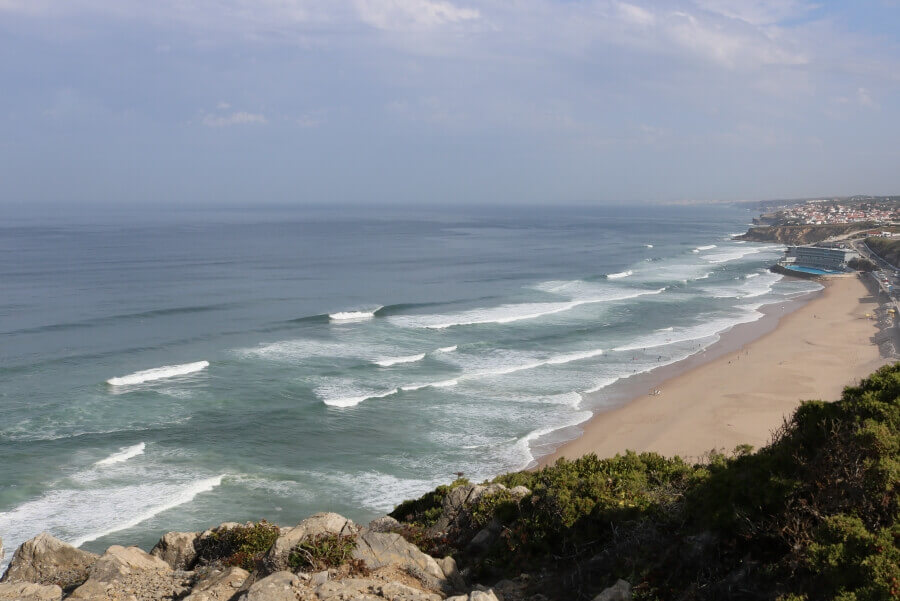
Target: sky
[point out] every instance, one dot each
(446, 101)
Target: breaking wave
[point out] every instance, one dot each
(123, 454)
(159, 373)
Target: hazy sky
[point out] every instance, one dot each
(537, 101)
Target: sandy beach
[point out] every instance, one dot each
(740, 392)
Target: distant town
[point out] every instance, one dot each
(877, 210)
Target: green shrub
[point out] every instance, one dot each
(426, 509)
(241, 546)
(813, 515)
(322, 552)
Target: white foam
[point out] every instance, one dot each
(620, 275)
(708, 329)
(353, 315)
(124, 454)
(648, 245)
(441, 384)
(399, 360)
(79, 515)
(159, 373)
(446, 349)
(738, 253)
(523, 445)
(353, 401)
(702, 248)
(579, 291)
(602, 384)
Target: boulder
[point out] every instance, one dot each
(321, 523)
(1, 548)
(378, 549)
(48, 560)
(520, 492)
(177, 549)
(384, 524)
(451, 573)
(487, 595)
(620, 591)
(485, 537)
(219, 584)
(28, 591)
(279, 586)
(131, 573)
(455, 506)
(366, 589)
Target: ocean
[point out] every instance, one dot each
(173, 369)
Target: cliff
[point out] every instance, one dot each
(813, 515)
(800, 234)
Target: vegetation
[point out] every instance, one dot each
(813, 515)
(861, 264)
(887, 249)
(322, 552)
(425, 510)
(241, 546)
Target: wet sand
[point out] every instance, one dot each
(740, 389)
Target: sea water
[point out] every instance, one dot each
(172, 370)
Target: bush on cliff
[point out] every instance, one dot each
(813, 515)
(240, 546)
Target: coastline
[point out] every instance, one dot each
(739, 389)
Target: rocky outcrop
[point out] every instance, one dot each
(28, 591)
(130, 573)
(456, 506)
(280, 586)
(48, 560)
(218, 584)
(384, 524)
(383, 566)
(620, 591)
(178, 549)
(316, 525)
(379, 549)
(366, 589)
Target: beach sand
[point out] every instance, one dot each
(741, 391)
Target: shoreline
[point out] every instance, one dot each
(739, 389)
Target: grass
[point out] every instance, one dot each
(322, 552)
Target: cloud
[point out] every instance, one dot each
(237, 118)
(865, 99)
(413, 14)
(758, 12)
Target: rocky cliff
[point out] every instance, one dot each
(800, 234)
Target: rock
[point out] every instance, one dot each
(451, 573)
(28, 591)
(219, 584)
(383, 524)
(48, 560)
(279, 586)
(177, 549)
(130, 572)
(319, 578)
(620, 591)
(454, 508)
(377, 549)
(488, 595)
(486, 537)
(520, 492)
(321, 523)
(365, 589)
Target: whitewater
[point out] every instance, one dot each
(256, 365)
